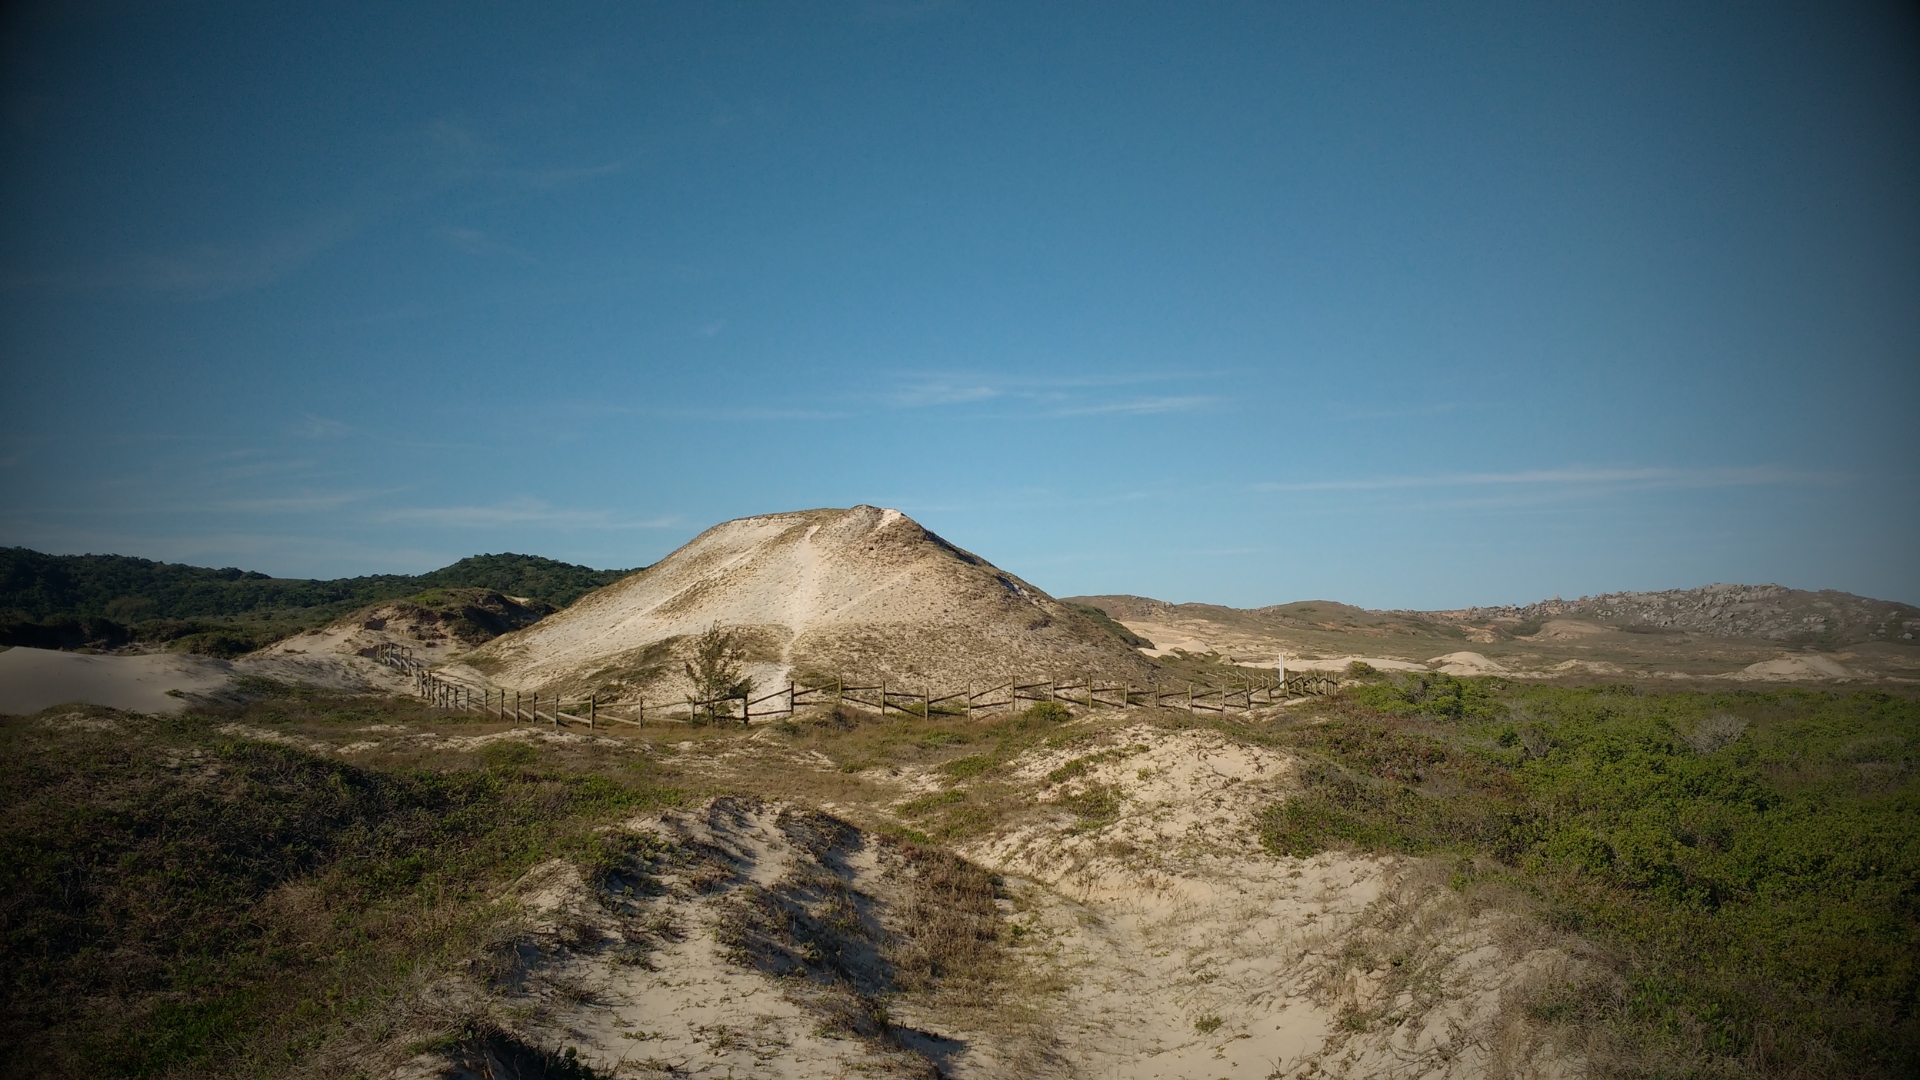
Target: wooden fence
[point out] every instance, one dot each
(884, 698)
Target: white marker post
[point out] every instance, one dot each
(1280, 665)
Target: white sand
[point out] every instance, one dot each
(1338, 664)
(864, 593)
(33, 679)
(1791, 667)
(1466, 663)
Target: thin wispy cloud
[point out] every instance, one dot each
(209, 271)
(548, 179)
(1059, 396)
(1405, 412)
(293, 504)
(517, 512)
(322, 427)
(1139, 406)
(746, 413)
(942, 393)
(1570, 477)
(475, 242)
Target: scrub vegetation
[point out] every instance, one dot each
(1749, 861)
(1737, 872)
(184, 902)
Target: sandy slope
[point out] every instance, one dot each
(1161, 942)
(865, 593)
(1169, 918)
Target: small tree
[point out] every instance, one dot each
(717, 671)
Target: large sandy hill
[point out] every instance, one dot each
(864, 593)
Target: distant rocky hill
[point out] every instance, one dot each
(864, 593)
(1760, 612)
(1719, 631)
(1765, 612)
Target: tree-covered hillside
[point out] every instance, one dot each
(65, 601)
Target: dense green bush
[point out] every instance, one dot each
(1764, 894)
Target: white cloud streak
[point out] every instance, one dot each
(1572, 477)
(516, 512)
(214, 270)
(1139, 406)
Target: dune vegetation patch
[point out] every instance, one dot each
(182, 901)
(1756, 891)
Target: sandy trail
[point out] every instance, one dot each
(1159, 942)
(1185, 951)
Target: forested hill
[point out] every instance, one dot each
(92, 589)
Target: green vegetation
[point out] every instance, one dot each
(72, 601)
(1107, 622)
(959, 751)
(718, 672)
(181, 902)
(1750, 859)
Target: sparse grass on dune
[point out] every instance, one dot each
(1743, 868)
(185, 903)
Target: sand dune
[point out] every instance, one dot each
(863, 593)
(33, 679)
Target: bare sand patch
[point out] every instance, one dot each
(756, 939)
(1466, 663)
(1181, 949)
(35, 679)
(1788, 668)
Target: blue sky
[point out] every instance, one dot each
(1401, 305)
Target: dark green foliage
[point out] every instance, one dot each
(71, 601)
(717, 671)
(1430, 693)
(487, 1050)
(90, 631)
(473, 615)
(1106, 622)
(1754, 858)
(530, 576)
(174, 895)
(1046, 712)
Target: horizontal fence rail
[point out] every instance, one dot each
(886, 698)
